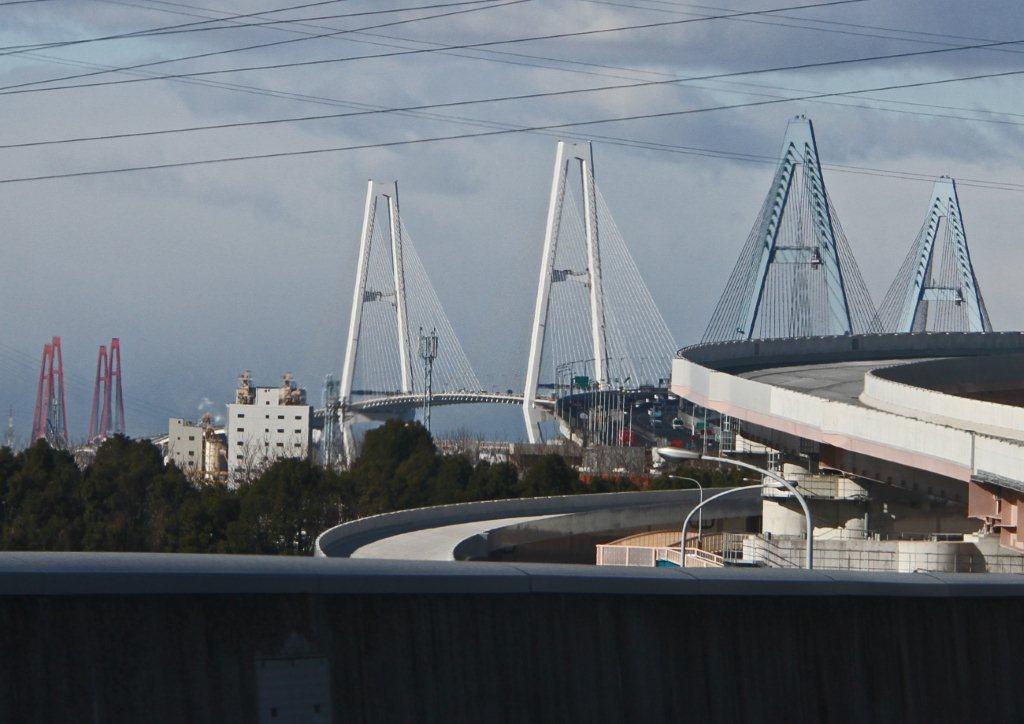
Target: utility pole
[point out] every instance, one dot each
(332, 404)
(428, 353)
(9, 439)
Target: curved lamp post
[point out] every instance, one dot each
(673, 453)
(700, 514)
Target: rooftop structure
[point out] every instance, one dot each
(266, 424)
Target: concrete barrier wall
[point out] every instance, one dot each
(897, 389)
(757, 354)
(961, 375)
(216, 639)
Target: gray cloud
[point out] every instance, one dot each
(205, 271)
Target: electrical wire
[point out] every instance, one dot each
(23, 87)
(546, 62)
(501, 99)
(148, 31)
(498, 132)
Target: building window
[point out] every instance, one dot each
(240, 429)
(298, 417)
(280, 430)
(191, 453)
(280, 444)
(239, 443)
(280, 417)
(298, 432)
(298, 444)
(191, 437)
(241, 415)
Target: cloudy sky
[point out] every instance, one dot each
(206, 270)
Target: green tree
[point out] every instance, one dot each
(40, 509)
(549, 475)
(493, 481)
(286, 507)
(130, 500)
(395, 468)
(206, 518)
(451, 480)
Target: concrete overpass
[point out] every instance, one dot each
(936, 414)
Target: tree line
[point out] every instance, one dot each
(128, 499)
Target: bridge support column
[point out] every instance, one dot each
(927, 281)
(581, 153)
(388, 191)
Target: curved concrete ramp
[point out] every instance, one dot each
(475, 530)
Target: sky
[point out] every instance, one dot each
(206, 270)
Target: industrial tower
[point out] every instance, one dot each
(49, 421)
(580, 155)
(107, 417)
(936, 290)
(796, 275)
(428, 353)
(331, 404)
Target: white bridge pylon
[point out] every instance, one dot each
(936, 290)
(388, 193)
(594, 315)
(392, 301)
(582, 156)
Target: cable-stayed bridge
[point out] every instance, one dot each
(595, 324)
(935, 289)
(796, 275)
(595, 317)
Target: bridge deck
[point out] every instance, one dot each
(837, 381)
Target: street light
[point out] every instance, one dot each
(700, 513)
(674, 453)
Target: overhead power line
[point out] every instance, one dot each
(559, 64)
(516, 97)
(134, 33)
(498, 132)
(24, 87)
(21, 49)
(651, 145)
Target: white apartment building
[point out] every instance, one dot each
(198, 449)
(185, 445)
(265, 424)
